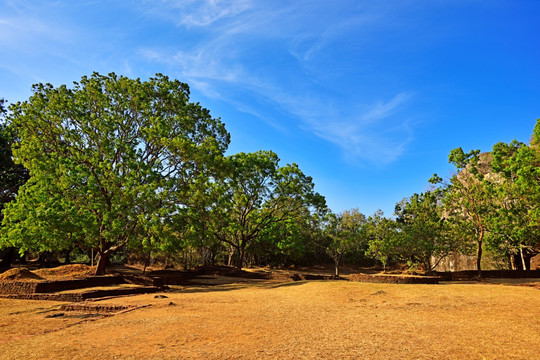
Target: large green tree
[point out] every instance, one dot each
(469, 199)
(113, 161)
(517, 223)
(257, 195)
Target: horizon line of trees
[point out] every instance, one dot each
(123, 166)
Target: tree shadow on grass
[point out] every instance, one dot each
(287, 284)
(198, 288)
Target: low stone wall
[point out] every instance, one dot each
(472, 274)
(73, 297)
(143, 280)
(46, 287)
(394, 279)
(81, 296)
(18, 287)
(172, 279)
(33, 287)
(118, 292)
(93, 281)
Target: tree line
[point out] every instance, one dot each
(117, 165)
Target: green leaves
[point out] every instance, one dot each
(424, 236)
(118, 157)
(345, 233)
(259, 198)
(12, 176)
(381, 237)
(516, 225)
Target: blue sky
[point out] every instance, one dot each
(368, 97)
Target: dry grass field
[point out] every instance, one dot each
(293, 320)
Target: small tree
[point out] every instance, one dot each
(257, 195)
(345, 233)
(424, 236)
(112, 161)
(381, 237)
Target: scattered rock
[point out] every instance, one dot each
(380, 292)
(160, 297)
(172, 304)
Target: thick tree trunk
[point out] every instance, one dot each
(479, 256)
(102, 263)
(336, 263)
(206, 255)
(428, 266)
(240, 260)
(146, 262)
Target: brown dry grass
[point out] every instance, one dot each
(66, 272)
(20, 274)
(58, 273)
(299, 320)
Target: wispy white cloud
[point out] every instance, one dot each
(372, 133)
(306, 46)
(381, 110)
(197, 13)
(380, 140)
(29, 31)
(236, 30)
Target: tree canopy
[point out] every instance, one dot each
(257, 195)
(424, 236)
(345, 231)
(12, 175)
(117, 163)
(517, 221)
(112, 161)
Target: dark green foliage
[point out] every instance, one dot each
(424, 236)
(114, 162)
(382, 236)
(12, 175)
(517, 221)
(258, 203)
(345, 233)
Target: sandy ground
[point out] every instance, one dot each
(296, 320)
